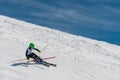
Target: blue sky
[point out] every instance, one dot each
(96, 19)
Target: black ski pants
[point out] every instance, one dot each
(34, 56)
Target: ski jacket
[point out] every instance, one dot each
(30, 51)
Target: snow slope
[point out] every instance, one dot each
(77, 58)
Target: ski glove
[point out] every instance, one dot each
(40, 51)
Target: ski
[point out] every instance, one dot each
(42, 59)
(54, 65)
(46, 63)
(33, 60)
(49, 58)
(51, 64)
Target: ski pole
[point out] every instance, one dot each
(45, 47)
(18, 60)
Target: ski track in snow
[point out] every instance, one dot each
(77, 58)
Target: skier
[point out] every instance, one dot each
(31, 54)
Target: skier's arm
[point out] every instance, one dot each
(37, 50)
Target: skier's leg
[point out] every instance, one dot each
(27, 57)
(52, 64)
(48, 64)
(45, 63)
(35, 57)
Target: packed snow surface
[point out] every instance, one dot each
(77, 58)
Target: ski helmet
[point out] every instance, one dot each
(31, 45)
